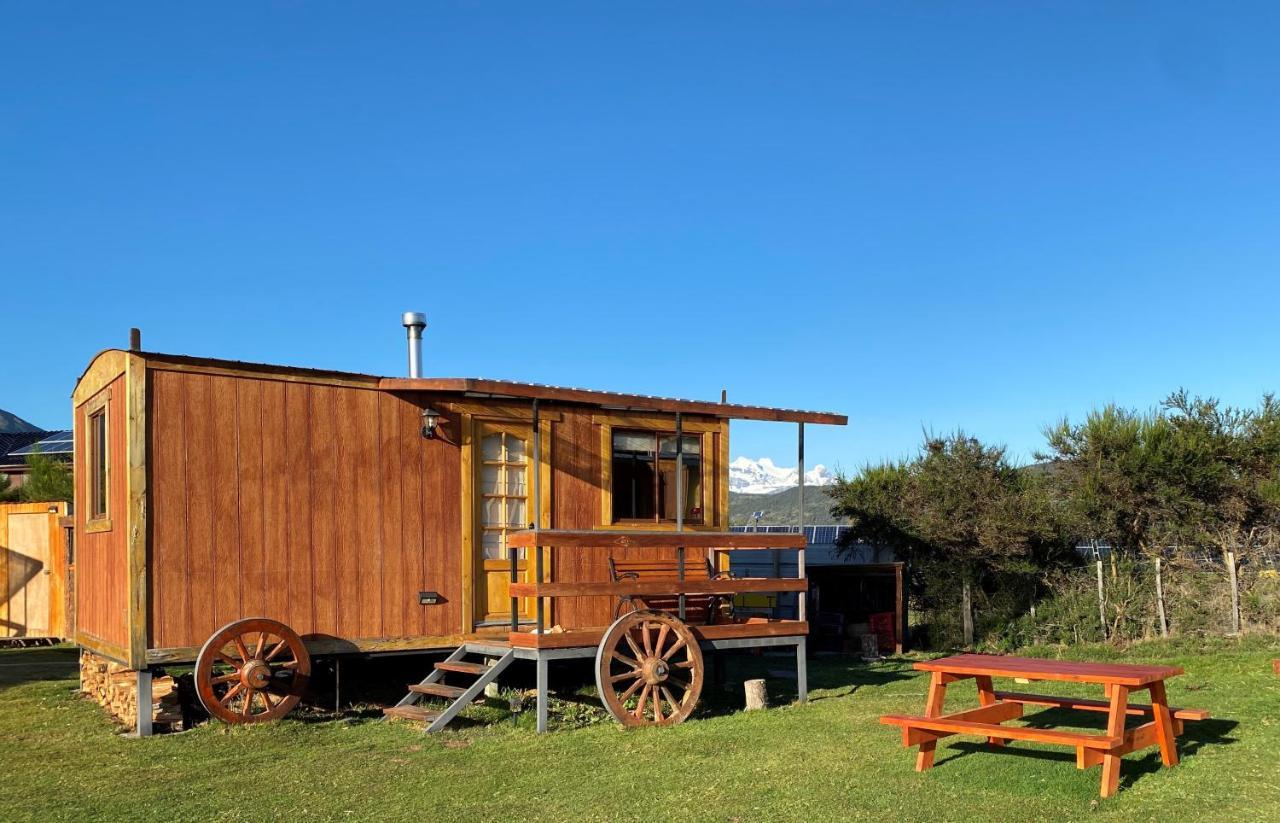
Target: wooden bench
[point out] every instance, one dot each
(1162, 728)
(702, 609)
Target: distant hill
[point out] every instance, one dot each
(11, 423)
(780, 507)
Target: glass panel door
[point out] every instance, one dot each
(502, 506)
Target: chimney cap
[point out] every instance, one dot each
(414, 318)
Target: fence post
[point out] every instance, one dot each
(1164, 623)
(967, 616)
(1235, 592)
(1102, 603)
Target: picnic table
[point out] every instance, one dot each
(1118, 681)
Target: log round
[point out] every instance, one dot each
(649, 669)
(252, 671)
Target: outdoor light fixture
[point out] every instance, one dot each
(430, 419)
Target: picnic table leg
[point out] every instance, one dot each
(1115, 728)
(1164, 724)
(987, 697)
(932, 708)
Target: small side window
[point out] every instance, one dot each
(98, 464)
(644, 477)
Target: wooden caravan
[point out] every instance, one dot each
(352, 513)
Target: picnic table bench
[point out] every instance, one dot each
(1118, 681)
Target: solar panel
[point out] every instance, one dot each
(56, 443)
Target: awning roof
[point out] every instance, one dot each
(479, 386)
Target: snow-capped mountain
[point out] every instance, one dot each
(747, 476)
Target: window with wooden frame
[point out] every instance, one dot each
(643, 477)
(99, 466)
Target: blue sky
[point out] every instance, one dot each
(920, 214)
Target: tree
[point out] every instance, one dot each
(8, 494)
(959, 507)
(48, 480)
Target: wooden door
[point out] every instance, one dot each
(502, 505)
(26, 584)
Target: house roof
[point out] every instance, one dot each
(485, 387)
(11, 442)
(57, 442)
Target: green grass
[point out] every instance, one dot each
(828, 760)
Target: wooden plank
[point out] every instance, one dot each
(249, 494)
(298, 581)
(1135, 739)
(330, 645)
(1115, 729)
(1060, 670)
(135, 515)
(389, 465)
(1085, 704)
(611, 539)
(946, 726)
(352, 489)
(726, 631)
(324, 498)
(276, 502)
(629, 402)
(993, 713)
(225, 562)
(633, 587)
(201, 566)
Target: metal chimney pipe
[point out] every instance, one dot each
(415, 322)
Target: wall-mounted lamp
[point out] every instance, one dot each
(430, 419)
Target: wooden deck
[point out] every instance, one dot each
(582, 638)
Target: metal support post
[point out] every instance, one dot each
(144, 704)
(801, 605)
(541, 664)
(537, 512)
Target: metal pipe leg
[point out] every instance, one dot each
(802, 673)
(144, 704)
(542, 693)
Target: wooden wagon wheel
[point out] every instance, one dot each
(649, 669)
(252, 671)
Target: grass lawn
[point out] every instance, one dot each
(828, 760)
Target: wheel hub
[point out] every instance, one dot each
(256, 674)
(655, 670)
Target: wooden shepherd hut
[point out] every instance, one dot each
(246, 517)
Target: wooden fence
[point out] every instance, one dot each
(35, 571)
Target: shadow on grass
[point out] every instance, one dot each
(19, 666)
(836, 676)
(1195, 735)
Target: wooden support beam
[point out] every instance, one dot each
(615, 539)
(1084, 704)
(627, 588)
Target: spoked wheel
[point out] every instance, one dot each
(649, 669)
(252, 671)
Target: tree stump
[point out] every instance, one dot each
(757, 698)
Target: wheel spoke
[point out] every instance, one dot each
(684, 684)
(262, 644)
(622, 698)
(231, 693)
(279, 647)
(675, 647)
(635, 664)
(266, 698)
(224, 658)
(663, 631)
(675, 707)
(634, 648)
(657, 705)
(644, 696)
(624, 676)
(248, 701)
(644, 636)
(240, 647)
(292, 664)
(226, 678)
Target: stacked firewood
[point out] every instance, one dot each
(115, 688)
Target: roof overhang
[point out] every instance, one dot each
(482, 387)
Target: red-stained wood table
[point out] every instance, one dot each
(1117, 680)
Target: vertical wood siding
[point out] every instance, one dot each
(320, 506)
(102, 591)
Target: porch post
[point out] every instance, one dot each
(537, 519)
(679, 506)
(801, 606)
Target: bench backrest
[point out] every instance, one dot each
(698, 608)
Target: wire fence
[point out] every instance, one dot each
(1112, 599)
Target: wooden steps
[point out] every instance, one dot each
(416, 713)
(437, 690)
(462, 667)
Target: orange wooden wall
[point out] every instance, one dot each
(317, 505)
(102, 598)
